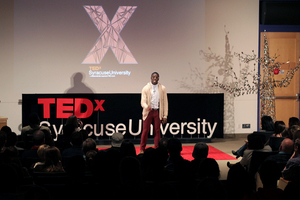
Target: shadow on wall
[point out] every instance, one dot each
(203, 80)
(78, 85)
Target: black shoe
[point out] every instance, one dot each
(228, 164)
(235, 153)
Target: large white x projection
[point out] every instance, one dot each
(110, 35)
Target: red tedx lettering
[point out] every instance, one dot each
(61, 108)
(67, 106)
(46, 106)
(89, 106)
(99, 105)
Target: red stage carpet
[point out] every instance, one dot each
(187, 151)
(214, 153)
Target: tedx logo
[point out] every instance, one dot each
(71, 106)
(110, 35)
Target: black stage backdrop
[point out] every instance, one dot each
(190, 115)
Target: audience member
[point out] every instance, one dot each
(294, 121)
(146, 161)
(9, 182)
(11, 143)
(131, 179)
(208, 168)
(76, 186)
(29, 157)
(3, 140)
(90, 159)
(285, 152)
(210, 188)
(255, 142)
(269, 173)
(6, 129)
(52, 161)
(185, 180)
(34, 125)
(116, 141)
(267, 123)
(291, 191)
(106, 170)
(296, 134)
(267, 126)
(64, 141)
(9, 153)
(84, 134)
(153, 162)
(163, 142)
(174, 148)
(239, 183)
(76, 146)
(200, 152)
(89, 144)
(74, 150)
(48, 138)
(127, 148)
(76, 169)
(41, 153)
(279, 127)
(291, 172)
(291, 132)
(11, 140)
(74, 122)
(130, 172)
(286, 133)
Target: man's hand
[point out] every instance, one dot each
(164, 120)
(149, 108)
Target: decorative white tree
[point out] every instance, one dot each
(247, 81)
(264, 83)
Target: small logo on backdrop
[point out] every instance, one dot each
(95, 71)
(110, 35)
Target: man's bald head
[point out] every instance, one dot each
(287, 145)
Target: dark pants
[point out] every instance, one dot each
(152, 118)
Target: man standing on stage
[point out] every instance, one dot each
(155, 109)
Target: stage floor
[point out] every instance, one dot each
(226, 144)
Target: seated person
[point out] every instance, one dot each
(116, 142)
(76, 146)
(200, 152)
(285, 152)
(41, 153)
(34, 124)
(267, 126)
(291, 132)
(269, 173)
(88, 145)
(291, 171)
(279, 127)
(294, 121)
(74, 150)
(52, 161)
(30, 156)
(174, 148)
(255, 142)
